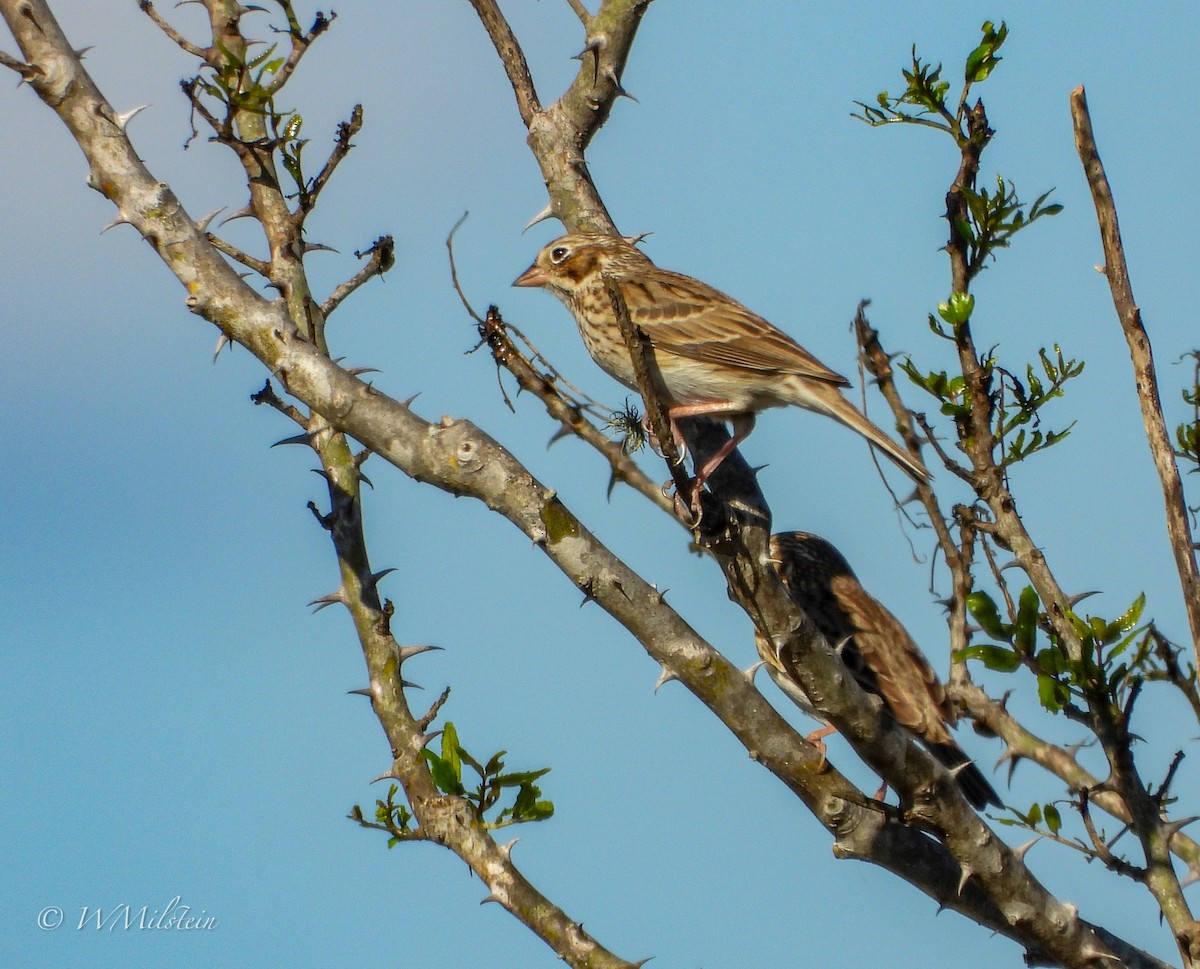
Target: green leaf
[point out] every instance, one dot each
(444, 776)
(451, 751)
(1025, 631)
(1051, 693)
(1127, 620)
(519, 779)
(984, 612)
(958, 309)
(993, 657)
(1053, 818)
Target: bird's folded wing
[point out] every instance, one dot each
(683, 316)
(913, 693)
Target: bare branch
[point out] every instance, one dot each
(645, 370)
(580, 11)
(346, 130)
(1145, 379)
(260, 266)
(198, 52)
(450, 821)
(495, 332)
(512, 57)
(383, 257)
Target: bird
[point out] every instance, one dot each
(714, 357)
(876, 648)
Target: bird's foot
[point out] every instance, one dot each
(689, 511)
(817, 739)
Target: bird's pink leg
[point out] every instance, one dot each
(816, 738)
(742, 424)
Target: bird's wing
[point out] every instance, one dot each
(909, 686)
(684, 316)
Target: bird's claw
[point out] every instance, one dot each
(689, 512)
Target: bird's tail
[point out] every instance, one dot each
(969, 777)
(828, 399)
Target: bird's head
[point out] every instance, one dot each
(573, 261)
(805, 561)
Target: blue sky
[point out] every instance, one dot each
(177, 722)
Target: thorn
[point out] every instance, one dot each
(358, 371)
(117, 220)
(123, 119)
(222, 342)
(586, 588)
(329, 600)
(322, 473)
(407, 404)
(619, 91)
(203, 224)
(1022, 850)
(666, 677)
(243, 213)
(408, 652)
(490, 898)
(542, 216)
(305, 438)
(315, 247)
(1073, 600)
(642, 962)
(365, 691)
(415, 686)
(563, 431)
(959, 768)
(82, 52)
(594, 45)
(428, 739)
(506, 849)
(1009, 753)
(367, 481)
(1075, 748)
(962, 882)
(1172, 828)
(376, 576)
(751, 670)
(1089, 953)
(387, 775)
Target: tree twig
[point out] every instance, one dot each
(1145, 379)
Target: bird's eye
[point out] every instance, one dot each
(558, 254)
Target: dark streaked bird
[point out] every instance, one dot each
(715, 357)
(875, 647)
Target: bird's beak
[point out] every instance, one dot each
(533, 276)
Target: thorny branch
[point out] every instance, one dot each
(967, 865)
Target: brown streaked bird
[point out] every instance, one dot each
(715, 357)
(875, 647)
